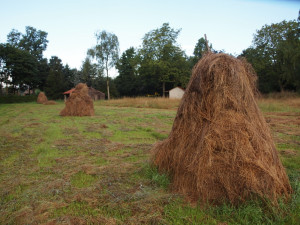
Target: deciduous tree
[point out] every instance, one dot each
(106, 52)
(34, 41)
(160, 55)
(275, 56)
(18, 65)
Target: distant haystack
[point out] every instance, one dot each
(50, 102)
(220, 147)
(42, 98)
(79, 103)
(93, 93)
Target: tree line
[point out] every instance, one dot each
(158, 65)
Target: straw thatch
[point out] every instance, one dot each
(42, 98)
(79, 103)
(220, 147)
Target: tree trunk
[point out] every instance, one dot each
(6, 84)
(108, 95)
(107, 84)
(281, 86)
(164, 89)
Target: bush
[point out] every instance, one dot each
(6, 99)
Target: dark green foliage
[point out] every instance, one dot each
(69, 77)
(22, 58)
(157, 66)
(19, 64)
(34, 41)
(5, 99)
(275, 55)
(89, 72)
(127, 82)
(56, 82)
(43, 71)
(99, 83)
(200, 50)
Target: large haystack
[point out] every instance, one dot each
(79, 103)
(220, 147)
(42, 98)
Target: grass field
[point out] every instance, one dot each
(95, 170)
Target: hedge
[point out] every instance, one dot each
(5, 99)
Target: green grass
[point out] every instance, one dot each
(82, 179)
(9, 161)
(96, 170)
(278, 105)
(158, 179)
(251, 212)
(75, 208)
(101, 161)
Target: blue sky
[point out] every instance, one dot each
(71, 24)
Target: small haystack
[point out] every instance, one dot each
(79, 103)
(220, 147)
(42, 98)
(50, 102)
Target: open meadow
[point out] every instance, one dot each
(96, 170)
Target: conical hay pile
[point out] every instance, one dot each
(42, 98)
(79, 103)
(220, 147)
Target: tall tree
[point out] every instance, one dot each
(106, 52)
(69, 76)
(126, 81)
(199, 50)
(18, 65)
(155, 40)
(277, 48)
(43, 71)
(14, 37)
(88, 72)
(56, 83)
(5, 72)
(34, 41)
(159, 54)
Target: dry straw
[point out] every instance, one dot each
(79, 103)
(220, 147)
(51, 102)
(42, 98)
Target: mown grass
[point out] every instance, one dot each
(144, 102)
(96, 170)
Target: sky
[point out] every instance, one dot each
(71, 24)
